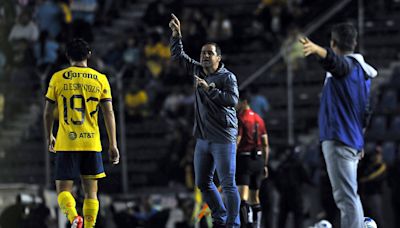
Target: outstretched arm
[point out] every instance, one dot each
(337, 65)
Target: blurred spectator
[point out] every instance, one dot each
(220, 28)
(136, 101)
(258, 103)
(46, 50)
(371, 177)
(13, 215)
(84, 10)
(24, 29)
(156, 14)
(39, 214)
(66, 20)
(171, 107)
(194, 28)
(3, 61)
(394, 184)
(48, 15)
(132, 53)
(265, 4)
(2, 104)
(293, 49)
(157, 53)
(290, 177)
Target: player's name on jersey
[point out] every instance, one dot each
(78, 86)
(71, 74)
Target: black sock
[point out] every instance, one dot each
(256, 214)
(244, 213)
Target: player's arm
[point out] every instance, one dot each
(265, 148)
(265, 153)
(109, 120)
(337, 65)
(48, 120)
(176, 46)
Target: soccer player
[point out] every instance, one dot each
(251, 162)
(215, 127)
(77, 92)
(343, 112)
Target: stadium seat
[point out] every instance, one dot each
(389, 152)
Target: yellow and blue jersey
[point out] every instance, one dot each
(77, 92)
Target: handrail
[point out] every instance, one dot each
(312, 27)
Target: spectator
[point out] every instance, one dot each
(46, 50)
(84, 10)
(156, 52)
(136, 101)
(258, 102)
(220, 28)
(371, 174)
(172, 104)
(131, 54)
(48, 16)
(13, 215)
(24, 29)
(293, 49)
(290, 176)
(394, 184)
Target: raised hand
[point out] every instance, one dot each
(202, 83)
(175, 25)
(310, 48)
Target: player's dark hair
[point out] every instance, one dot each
(217, 47)
(345, 36)
(77, 50)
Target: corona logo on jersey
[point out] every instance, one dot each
(70, 74)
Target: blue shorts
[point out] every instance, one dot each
(70, 165)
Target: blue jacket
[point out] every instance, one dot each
(345, 99)
(215, 114)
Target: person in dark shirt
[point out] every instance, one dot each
(215, 127)
(289, 179)
(251, 162)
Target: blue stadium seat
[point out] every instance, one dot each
(389, 100)
(378, 125)
(370, 147)
(395, 125)
(389, 152)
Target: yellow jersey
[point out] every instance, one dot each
(77, 92)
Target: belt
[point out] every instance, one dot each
(249, 153)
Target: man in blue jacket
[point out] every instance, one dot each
(343, 113)
(215, 127)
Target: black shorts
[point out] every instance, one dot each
(249, 171)
(70, 165)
